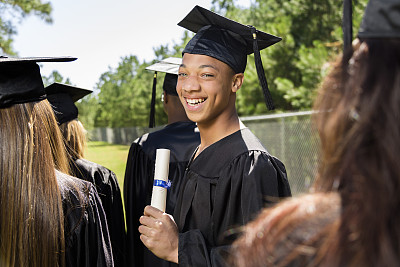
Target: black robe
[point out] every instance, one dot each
(87, 242)
(107, 187)
(181, 138)
(225, 187)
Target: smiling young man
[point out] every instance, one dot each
(231, 176)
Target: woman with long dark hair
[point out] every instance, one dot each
(47, 218)
(62, 98)
(353, 216)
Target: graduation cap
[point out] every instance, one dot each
(20, 79)
(381, 20)
(171, 67)
(228, 41)
(62, 98)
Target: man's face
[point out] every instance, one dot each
(205, 88)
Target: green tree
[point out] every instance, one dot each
(312, 37)
(55, 77)
(123, 95)
(14, 11)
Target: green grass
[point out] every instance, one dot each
(110, 156)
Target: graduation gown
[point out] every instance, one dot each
(87, 242)
(107, 187)
(225, 187)
(181, 138)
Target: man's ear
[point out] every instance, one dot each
(237, 81)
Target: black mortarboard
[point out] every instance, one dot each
(62, 98)
(228, 41)
(171, 67)
(20, 79)
(381, 20)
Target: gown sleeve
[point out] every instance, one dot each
(249, 183)
(87, 239)
(137, 194)
(111, 200)
(106, 184)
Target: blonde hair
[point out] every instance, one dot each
(31, 214)
(74, 137)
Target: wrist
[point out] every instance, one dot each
(174, 257)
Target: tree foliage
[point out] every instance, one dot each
(124, 93)
(311, 34)
(14, 11)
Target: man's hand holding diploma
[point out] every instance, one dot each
(159, 234)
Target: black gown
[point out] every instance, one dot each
(181, 138)
(107, 187)
(87, 242)
(225, 187)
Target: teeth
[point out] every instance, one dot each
(195, 101)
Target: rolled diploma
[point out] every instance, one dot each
(159, 196)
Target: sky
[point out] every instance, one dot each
(100, 32)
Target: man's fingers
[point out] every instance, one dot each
(151, 222)
(143, 229)
(153, 212)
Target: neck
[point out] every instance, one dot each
(218, 129)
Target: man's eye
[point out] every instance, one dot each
(207, 75)
(181, 74)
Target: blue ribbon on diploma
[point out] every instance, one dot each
(162, 183)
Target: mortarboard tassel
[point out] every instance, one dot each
(260, 71)
(153, 102)
(347, 24)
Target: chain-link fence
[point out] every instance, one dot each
(288, 136)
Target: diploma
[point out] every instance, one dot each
(161, 183)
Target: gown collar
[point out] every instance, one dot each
(215, 157)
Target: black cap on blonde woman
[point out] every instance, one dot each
(229, 42)
(381, 20)
(20, 79)
(170, 67)
(62, 98)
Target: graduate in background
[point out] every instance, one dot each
(231, 176)
(62, 98)
(181, 137)
(47, 218)
(352, 217)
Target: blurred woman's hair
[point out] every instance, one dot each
(358, 124)
(31, 214)
(75, 138)
(360, 144)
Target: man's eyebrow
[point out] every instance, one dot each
(208, 66)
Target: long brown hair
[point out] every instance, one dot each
(74, 137)
(360, 138)
(31, 214)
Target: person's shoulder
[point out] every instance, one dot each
(92, 166)
(251, 141)
(72, 189)
(174, 132)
